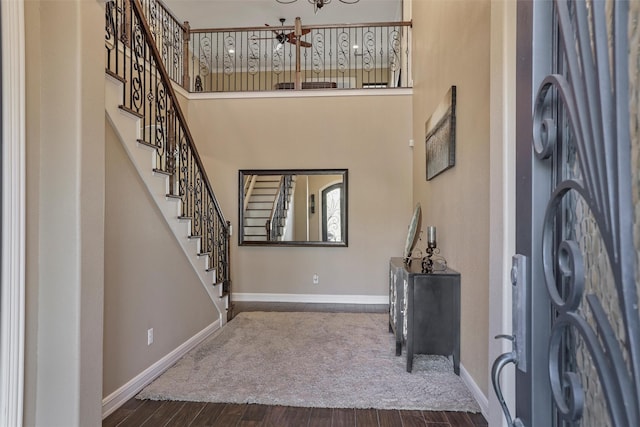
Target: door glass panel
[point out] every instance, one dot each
(332, 214)
(634, 105)
(585, 62)
(580, 226)
(584, 276)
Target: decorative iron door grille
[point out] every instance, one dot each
(581, 124)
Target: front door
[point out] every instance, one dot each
(578, 214)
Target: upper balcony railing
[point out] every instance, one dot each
(357, 56)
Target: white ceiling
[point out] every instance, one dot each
(253, 13)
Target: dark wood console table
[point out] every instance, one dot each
(424, 311)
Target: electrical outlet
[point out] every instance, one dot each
(149, 336)
(316, 279)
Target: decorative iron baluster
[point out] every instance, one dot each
(178, 60)
(165, 44)
(368, 50)
(223, 252)
(229, 47)
(344, 51)
(138, 66)
(161, 125)
(207, 238)
(277, 61)
(595, 297)
(395, 46)
(152, 18)
(317, 64)
(205, 56)
(182, 172)
(110, 28)
(197, 222)
(254, 55)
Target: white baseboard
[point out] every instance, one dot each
(130, 389)
(312, 298)
(475, 391)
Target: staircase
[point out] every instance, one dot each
(142, 107)
(265, 218)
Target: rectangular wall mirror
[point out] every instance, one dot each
(293, 207)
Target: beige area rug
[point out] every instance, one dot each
(332, 360)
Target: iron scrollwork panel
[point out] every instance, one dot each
(344, 52)
(395, 46)
(588, 250)
(368, 53)
(318, 54)
(138, 68)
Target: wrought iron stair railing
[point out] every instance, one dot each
(133, 58)
(275, 225)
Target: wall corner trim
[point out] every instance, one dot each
(13, 213)
(144, 378)
(475, 391)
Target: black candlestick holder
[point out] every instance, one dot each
(427, 262)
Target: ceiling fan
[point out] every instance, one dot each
(293, 36)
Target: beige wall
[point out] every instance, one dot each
(301, 212)
(366, 134)
(182, 99)
(451, 47)
(65, 228)
(149, 283)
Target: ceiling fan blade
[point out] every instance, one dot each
(306, 31)
(291, 38)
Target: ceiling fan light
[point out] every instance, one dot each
(318, 4)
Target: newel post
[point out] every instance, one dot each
(298, 34)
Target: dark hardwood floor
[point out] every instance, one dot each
(151, 413)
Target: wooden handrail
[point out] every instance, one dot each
(250, 183)
(304, 27)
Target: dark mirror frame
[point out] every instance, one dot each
(344, 208)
